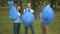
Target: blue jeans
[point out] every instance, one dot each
(31, 27)
(16, 28)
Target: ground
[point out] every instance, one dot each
(6, 26)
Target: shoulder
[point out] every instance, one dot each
(24, 10)
(32, 10)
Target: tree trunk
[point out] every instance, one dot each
(3, 3)
(35, 6)
(51, 3)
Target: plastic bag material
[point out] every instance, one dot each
(28, 18)
(13, 13)
(47, 15)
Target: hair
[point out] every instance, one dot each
(19, 9)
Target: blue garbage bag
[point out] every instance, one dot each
(13, 12)
(28, 18)
(47, 15)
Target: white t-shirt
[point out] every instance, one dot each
(31, 10)
(19, 14)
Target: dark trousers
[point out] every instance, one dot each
(16, 28)
(31, 27)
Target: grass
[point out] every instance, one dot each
(6, 26)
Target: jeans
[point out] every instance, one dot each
(16, 28)
(31, 27)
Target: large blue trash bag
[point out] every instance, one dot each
(13, 13)
(28, 18)
(47, 15)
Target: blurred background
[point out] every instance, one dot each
(6, 26)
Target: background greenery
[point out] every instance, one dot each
(6, 26)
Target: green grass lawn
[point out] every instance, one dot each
(6, 26)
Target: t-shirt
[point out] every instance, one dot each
(32, 11)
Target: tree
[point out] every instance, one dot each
(35, 5)
(2, 3)
(53, 2)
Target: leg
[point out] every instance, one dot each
(44, 28)
(18, 28)
(26, 29)
(15, 28)
(32, 29)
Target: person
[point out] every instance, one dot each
(31, 26)
(17, 23)
(43, 27)
(47, 15)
